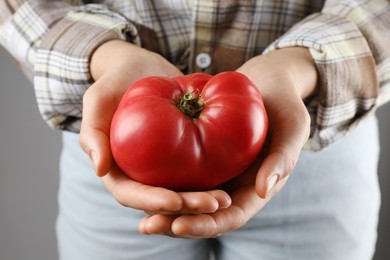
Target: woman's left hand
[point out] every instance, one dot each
(284, 78)
(245, 204)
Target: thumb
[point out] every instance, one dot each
(96, 144)
(277, 166)
(285, 146)
(98, 109)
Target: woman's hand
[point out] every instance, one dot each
(115, 66)
(245, 204)
(284, 78)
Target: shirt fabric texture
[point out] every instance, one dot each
(349, 41)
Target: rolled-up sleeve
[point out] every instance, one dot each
(54, 41)
(349, 42)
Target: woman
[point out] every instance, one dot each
(322, 68)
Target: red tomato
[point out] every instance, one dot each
(192, 132)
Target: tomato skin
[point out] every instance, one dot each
(155, 143)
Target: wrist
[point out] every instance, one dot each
(295, 65)
(298, 64)
(121, 57)
(109, 55)
(101, 58)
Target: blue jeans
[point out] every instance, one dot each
(327, 211)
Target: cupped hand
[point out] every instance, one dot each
(115, 66)
(284, 77)
(245, 204)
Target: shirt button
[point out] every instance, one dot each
(203, 60)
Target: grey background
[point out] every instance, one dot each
(29, 155)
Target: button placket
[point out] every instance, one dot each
(204, 15)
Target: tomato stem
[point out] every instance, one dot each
(191, 105)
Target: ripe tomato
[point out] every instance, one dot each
(192, 132)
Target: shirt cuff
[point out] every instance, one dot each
(348, 85)
(61, 67)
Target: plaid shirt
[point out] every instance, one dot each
(349, 41)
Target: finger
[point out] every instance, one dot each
(160, 225)
(223, 199)
(156, 224)
(139, 196)
(204, 202)
(245, 205)
(199, 202)
(193, 203)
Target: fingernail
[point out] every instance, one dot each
(271, 183)
(93, 157)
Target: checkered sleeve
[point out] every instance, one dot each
(54, 41)
(349, 42)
